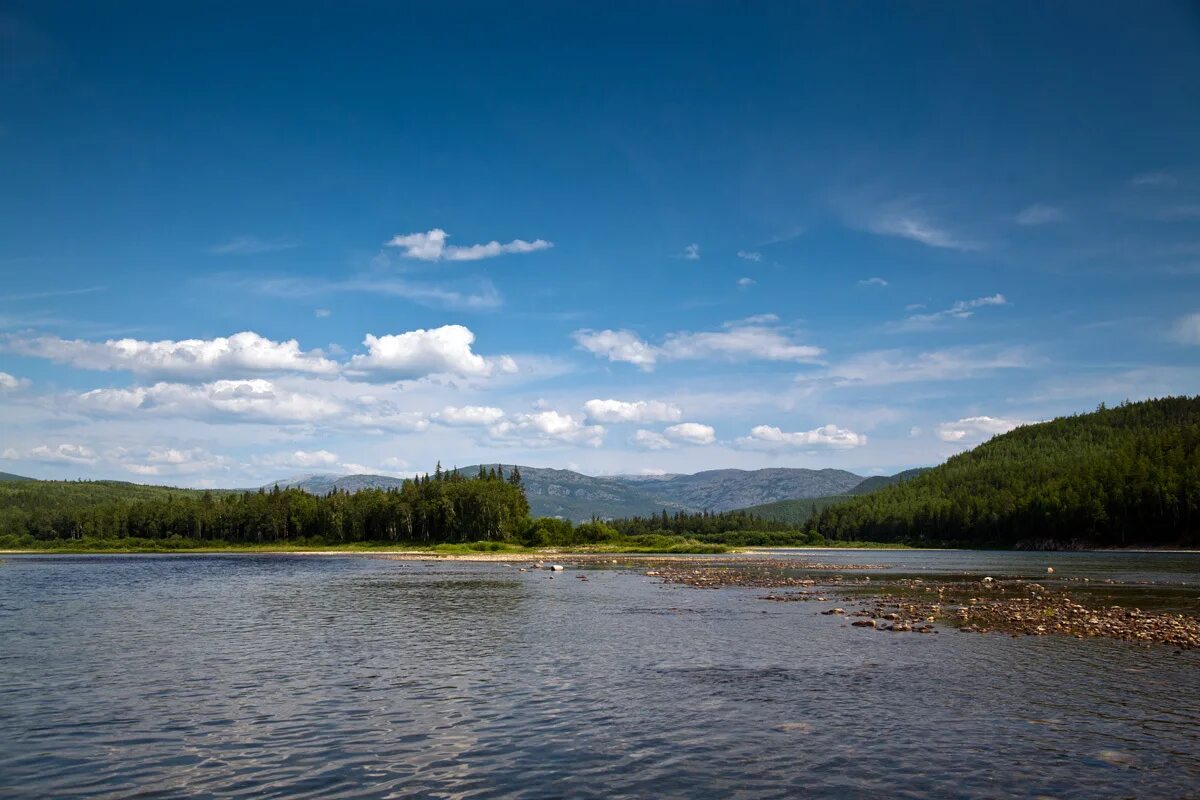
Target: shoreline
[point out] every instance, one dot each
(539, 555)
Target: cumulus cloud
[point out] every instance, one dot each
(240, 354)
(753, 339)
(691, 252)
(301, 459)
(444, 350)
(746, 283)
(691, 433)
(650, 440)
(545, 428)
(469, 416)
(167, 461)
(769, 437)
(65, 453)
(10, 383)
(252, 399)
(1186, 330)
(620, 345)
(977, 428)
(1038, 214)
(961, 309)
(431, 246)
(749, 255)
(632, 411)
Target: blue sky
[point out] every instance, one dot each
(238, 244)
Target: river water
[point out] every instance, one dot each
(356, 676)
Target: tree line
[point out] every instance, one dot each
(1121, 476)
(444, 507)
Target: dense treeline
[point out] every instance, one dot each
(444, 507)
(1120, 476)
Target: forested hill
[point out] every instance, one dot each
(1122, 476)
(575, 496)
(798, 511)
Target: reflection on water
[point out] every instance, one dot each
(270, 676)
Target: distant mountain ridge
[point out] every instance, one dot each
(573, 495)
(797, 511)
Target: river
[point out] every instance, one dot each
(360, 676)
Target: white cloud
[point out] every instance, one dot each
(750, 255)
(431, 246)
(253, 399)
(691, 433)
(10, 383)
(321, 313)
(914, 225)
(885, 367)
(769, 437)
(1187, 329)
(873, 282)
(691, 252)
(545, 428)
(385, 415)
(57, 454)
(468, 294)
(746, 283)
(976, 428)
(621, 345)
(1153, 179)
(167, 461)
(240, 354)
(469, 415)
(301, 459)
(635, 411)
(444, 350)
(1038, 214)
(753, 339)
(961, 309)
(741, 341)
(245, 245)
(649, 440)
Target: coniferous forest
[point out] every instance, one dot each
(443, 507)
(1117, 477)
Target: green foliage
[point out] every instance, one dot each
(700, 525)
(447, 508)
(795, 512)
(1120, 476)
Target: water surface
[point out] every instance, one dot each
(273, 676)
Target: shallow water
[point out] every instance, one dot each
(262, 676)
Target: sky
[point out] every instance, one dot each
(239, 244)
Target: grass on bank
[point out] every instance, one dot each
(650, 543)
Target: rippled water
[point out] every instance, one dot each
(261, 676)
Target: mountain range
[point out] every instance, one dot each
(573, 495)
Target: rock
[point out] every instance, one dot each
(863, 623)
(556, 567)
(833, 611)
(1049, 570)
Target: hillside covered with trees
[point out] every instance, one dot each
(444, 507)
(1116, 477)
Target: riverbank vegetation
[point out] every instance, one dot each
(1117, 477)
